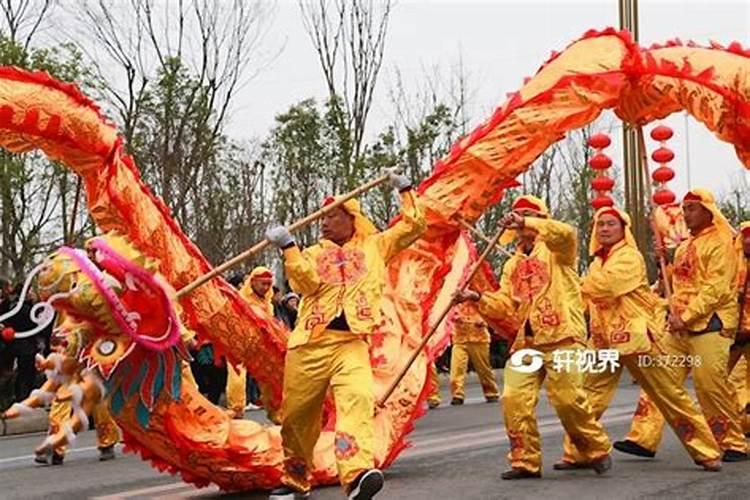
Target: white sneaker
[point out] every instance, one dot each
(252, 407)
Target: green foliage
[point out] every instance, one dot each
(32, 187)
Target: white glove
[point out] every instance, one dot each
(279, 236)
(400, 182)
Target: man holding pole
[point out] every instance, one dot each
(340, 280)
(624, 316)
(741, 346)
(703, 316)
(540, 286)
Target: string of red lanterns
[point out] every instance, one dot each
(663, 174)
(602, 184)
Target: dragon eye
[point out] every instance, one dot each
(107, 348)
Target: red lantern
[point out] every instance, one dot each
(602, 201)
(664, 197)
(600, 161)
(662, 174)
(599, 141)
(602, 183)
(661, 133)
(8, 334)
(663, 155)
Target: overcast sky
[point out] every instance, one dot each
(500, 42)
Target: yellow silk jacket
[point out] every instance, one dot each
(468, 325)
(741, 277)
(623, 310)
(541, 289)
(704, 280)
(333, 279)
(247, 293)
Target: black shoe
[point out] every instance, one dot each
(42, 459)
(287, 493)
(569, 466)
(492, 399)
(627, 446)
(734, 456)
(457, 402)
(433, 404)
(57, 459)
(367, 485)
(520, 474)
(107, 453)
(602, 465)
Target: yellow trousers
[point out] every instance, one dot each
(739, 375)
(661, 384)
(434, 396)
(107, 432)
(59, 414)
(340, 361)
(236, 395)
(717, 397)
(479, 355)
(566, 394)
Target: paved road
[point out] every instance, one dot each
(458, 453)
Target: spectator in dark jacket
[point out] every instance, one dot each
(20, 352)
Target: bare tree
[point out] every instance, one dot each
(182, 64)
(349, 38)
(34, 192)
(23, 18)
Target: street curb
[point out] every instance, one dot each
(36, 422)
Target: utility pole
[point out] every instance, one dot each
(635, 187)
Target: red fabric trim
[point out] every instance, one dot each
(524, 203)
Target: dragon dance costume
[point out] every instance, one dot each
(739, 355)
(704, 295)
(237, 377)
(542, 290)
(341, 289)
(625, 316)
(471, 342)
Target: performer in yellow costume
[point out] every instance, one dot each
(703, 316)
(341, 281)
(739, 355)
(433, 398)
(63, 361)
(471, 342)
(624, 316)
(540, 286)
(256, 290)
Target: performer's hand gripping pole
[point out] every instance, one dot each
(260, 246)
(490, 246)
